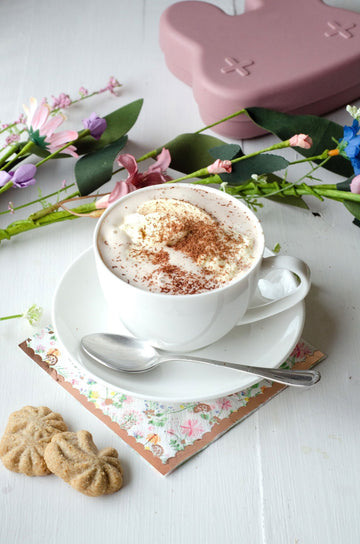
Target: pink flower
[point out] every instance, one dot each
(112, 85)
(63, 101)
(301, 140)
(355, 185)
(42, 126)
(224, 404)
(191, 427)
(121, 188)
(301, 350)
(83, 92)
(12, 138)
(154, 175)
(21, 120)
(220, 167)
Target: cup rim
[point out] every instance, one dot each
(204, 188)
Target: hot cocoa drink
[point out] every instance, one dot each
(169, 245)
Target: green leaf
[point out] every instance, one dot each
(261, 164)
(226, 152)
(321, 130)
(190, 152)
(345, 185)
(95, 169)
(119, 122)
(354, 208)
(295, 201)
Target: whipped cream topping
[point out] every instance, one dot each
(172, 246)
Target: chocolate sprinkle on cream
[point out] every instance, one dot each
(172, 246)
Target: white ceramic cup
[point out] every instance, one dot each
(188, 322)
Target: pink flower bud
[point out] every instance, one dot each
(355, 185)
(301, 140)
(220, 167)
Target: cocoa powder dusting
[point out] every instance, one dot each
(202, 241)
(179, 281)
(206, 240)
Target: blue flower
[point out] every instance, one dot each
(350, 145)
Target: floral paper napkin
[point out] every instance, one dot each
(166, 435)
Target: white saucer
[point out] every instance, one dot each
(79, 308)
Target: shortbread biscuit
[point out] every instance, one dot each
(26, 436)
(75, 458)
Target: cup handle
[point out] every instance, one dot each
(293, 264)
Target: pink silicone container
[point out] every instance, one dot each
(295, 56)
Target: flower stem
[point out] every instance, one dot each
(49, 209)
(22, 152)
(41, 199)
(240, 112)
(5, 187)
(289, 189)
(10, 317)
(205, 172)
(58, 151)
(54, 217)
(12, 149)
(155, 152)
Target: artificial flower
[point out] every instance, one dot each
(63, 101)
(33, 314)
(96, 125)
(83, 92)
(24, 176)
(354, 112)
(154, 175)
(121, 188)
(350, 145)
(301, 140)
(112, 85)
(355, 185)
(42, 126)
(12, 138)
(220, 167)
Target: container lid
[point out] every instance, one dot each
(285, 55)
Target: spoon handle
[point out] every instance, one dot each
(299, 378)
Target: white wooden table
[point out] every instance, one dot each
(288, 474)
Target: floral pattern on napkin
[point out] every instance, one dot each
(165, 434)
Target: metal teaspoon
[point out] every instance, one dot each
(126, 354)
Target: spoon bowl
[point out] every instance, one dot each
(127, 354)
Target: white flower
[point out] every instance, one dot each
(354, 112)
(33, 314)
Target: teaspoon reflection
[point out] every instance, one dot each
(126, 354)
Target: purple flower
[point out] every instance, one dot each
(24, 176)
(96, 125)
